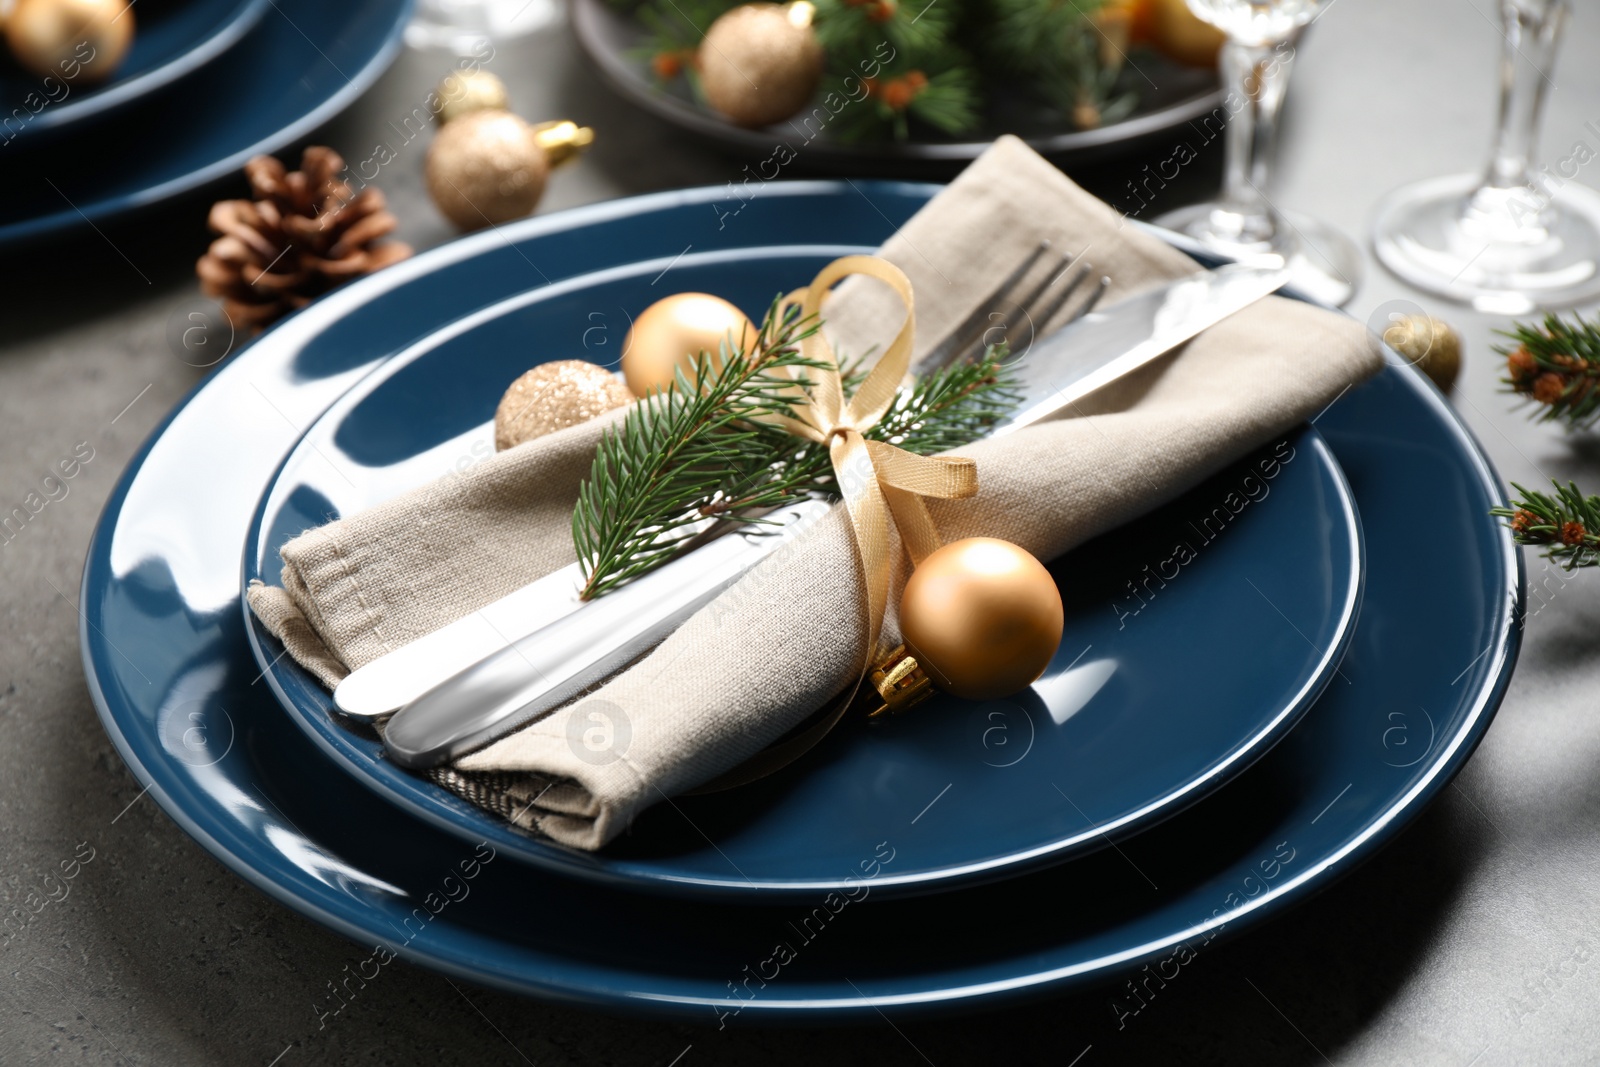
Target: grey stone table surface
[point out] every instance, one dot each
(1469, 940)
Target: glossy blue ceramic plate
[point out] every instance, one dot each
(173, 38)
(170, 671)
(304, 64)
(1163, 688)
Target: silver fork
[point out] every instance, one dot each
(973, 336)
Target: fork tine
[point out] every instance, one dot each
(1059, 301)
(973, 326)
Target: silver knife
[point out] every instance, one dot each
(562, 651)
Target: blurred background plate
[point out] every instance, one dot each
(303, 65)
(173, 38)
(1173, 95)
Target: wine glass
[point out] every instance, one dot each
(1244, 223)
(465, 26)
(1508, 239)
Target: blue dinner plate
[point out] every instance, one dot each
(1163, 688)
(169, 668)
(173, 38)
(306, 62)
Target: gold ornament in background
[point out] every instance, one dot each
(466, 91)
(1430, 345)
(488, 167)
(1180, 34)
(672, 332)
(553, 396)
(761, 63)
(485, 168)
(982, 616)
(79, 40)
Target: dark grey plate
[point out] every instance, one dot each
(1171, 97)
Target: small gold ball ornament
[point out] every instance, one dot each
(672, 332)
(761, 63)
(466, 91)
(982, 616)
(485, 168)
(79, 40)
(553, 396)
(1429, 344)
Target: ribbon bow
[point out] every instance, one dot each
(875, 479)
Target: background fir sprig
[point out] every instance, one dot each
(698, 453)
(937, 63)
(1556, 364)
(1566, 525)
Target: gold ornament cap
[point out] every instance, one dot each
(901, 683)
(553, 396)
(562, 140)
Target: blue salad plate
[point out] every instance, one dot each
(303, 64)
(169, 664)
(173, 38)
(1141, 713)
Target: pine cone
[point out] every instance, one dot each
(304, 234)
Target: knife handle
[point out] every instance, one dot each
(549, 667)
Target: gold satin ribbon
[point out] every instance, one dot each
(876, 479)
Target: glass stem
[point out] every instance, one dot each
(1257, 76)
(1532, 29)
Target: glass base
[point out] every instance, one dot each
(1504, 251)
(1323, 263)
(463, 26)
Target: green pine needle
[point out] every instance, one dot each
(694, 453)
(1557, 365)
(1566, 525)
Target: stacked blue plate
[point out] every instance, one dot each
(206, 85)
(1193, 762)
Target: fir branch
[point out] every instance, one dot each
(1566, 525)
(1557, 365)
(674, 451)
(690, 455)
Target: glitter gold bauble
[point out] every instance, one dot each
(672, 332)
(485, 168)
(1430, 345)
(466, 91)
(982, 616)
(553, 396)
(81, 41)
(761, 63)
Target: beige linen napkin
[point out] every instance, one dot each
(774, 648)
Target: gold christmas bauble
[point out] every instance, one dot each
(672, 332)
(466, 91)
(982, 616)
(553, 396)
(1180, 34)
(80, 40)
(1430, 345)
(485, 168)
(761, 63)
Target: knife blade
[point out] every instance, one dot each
(560, 650)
